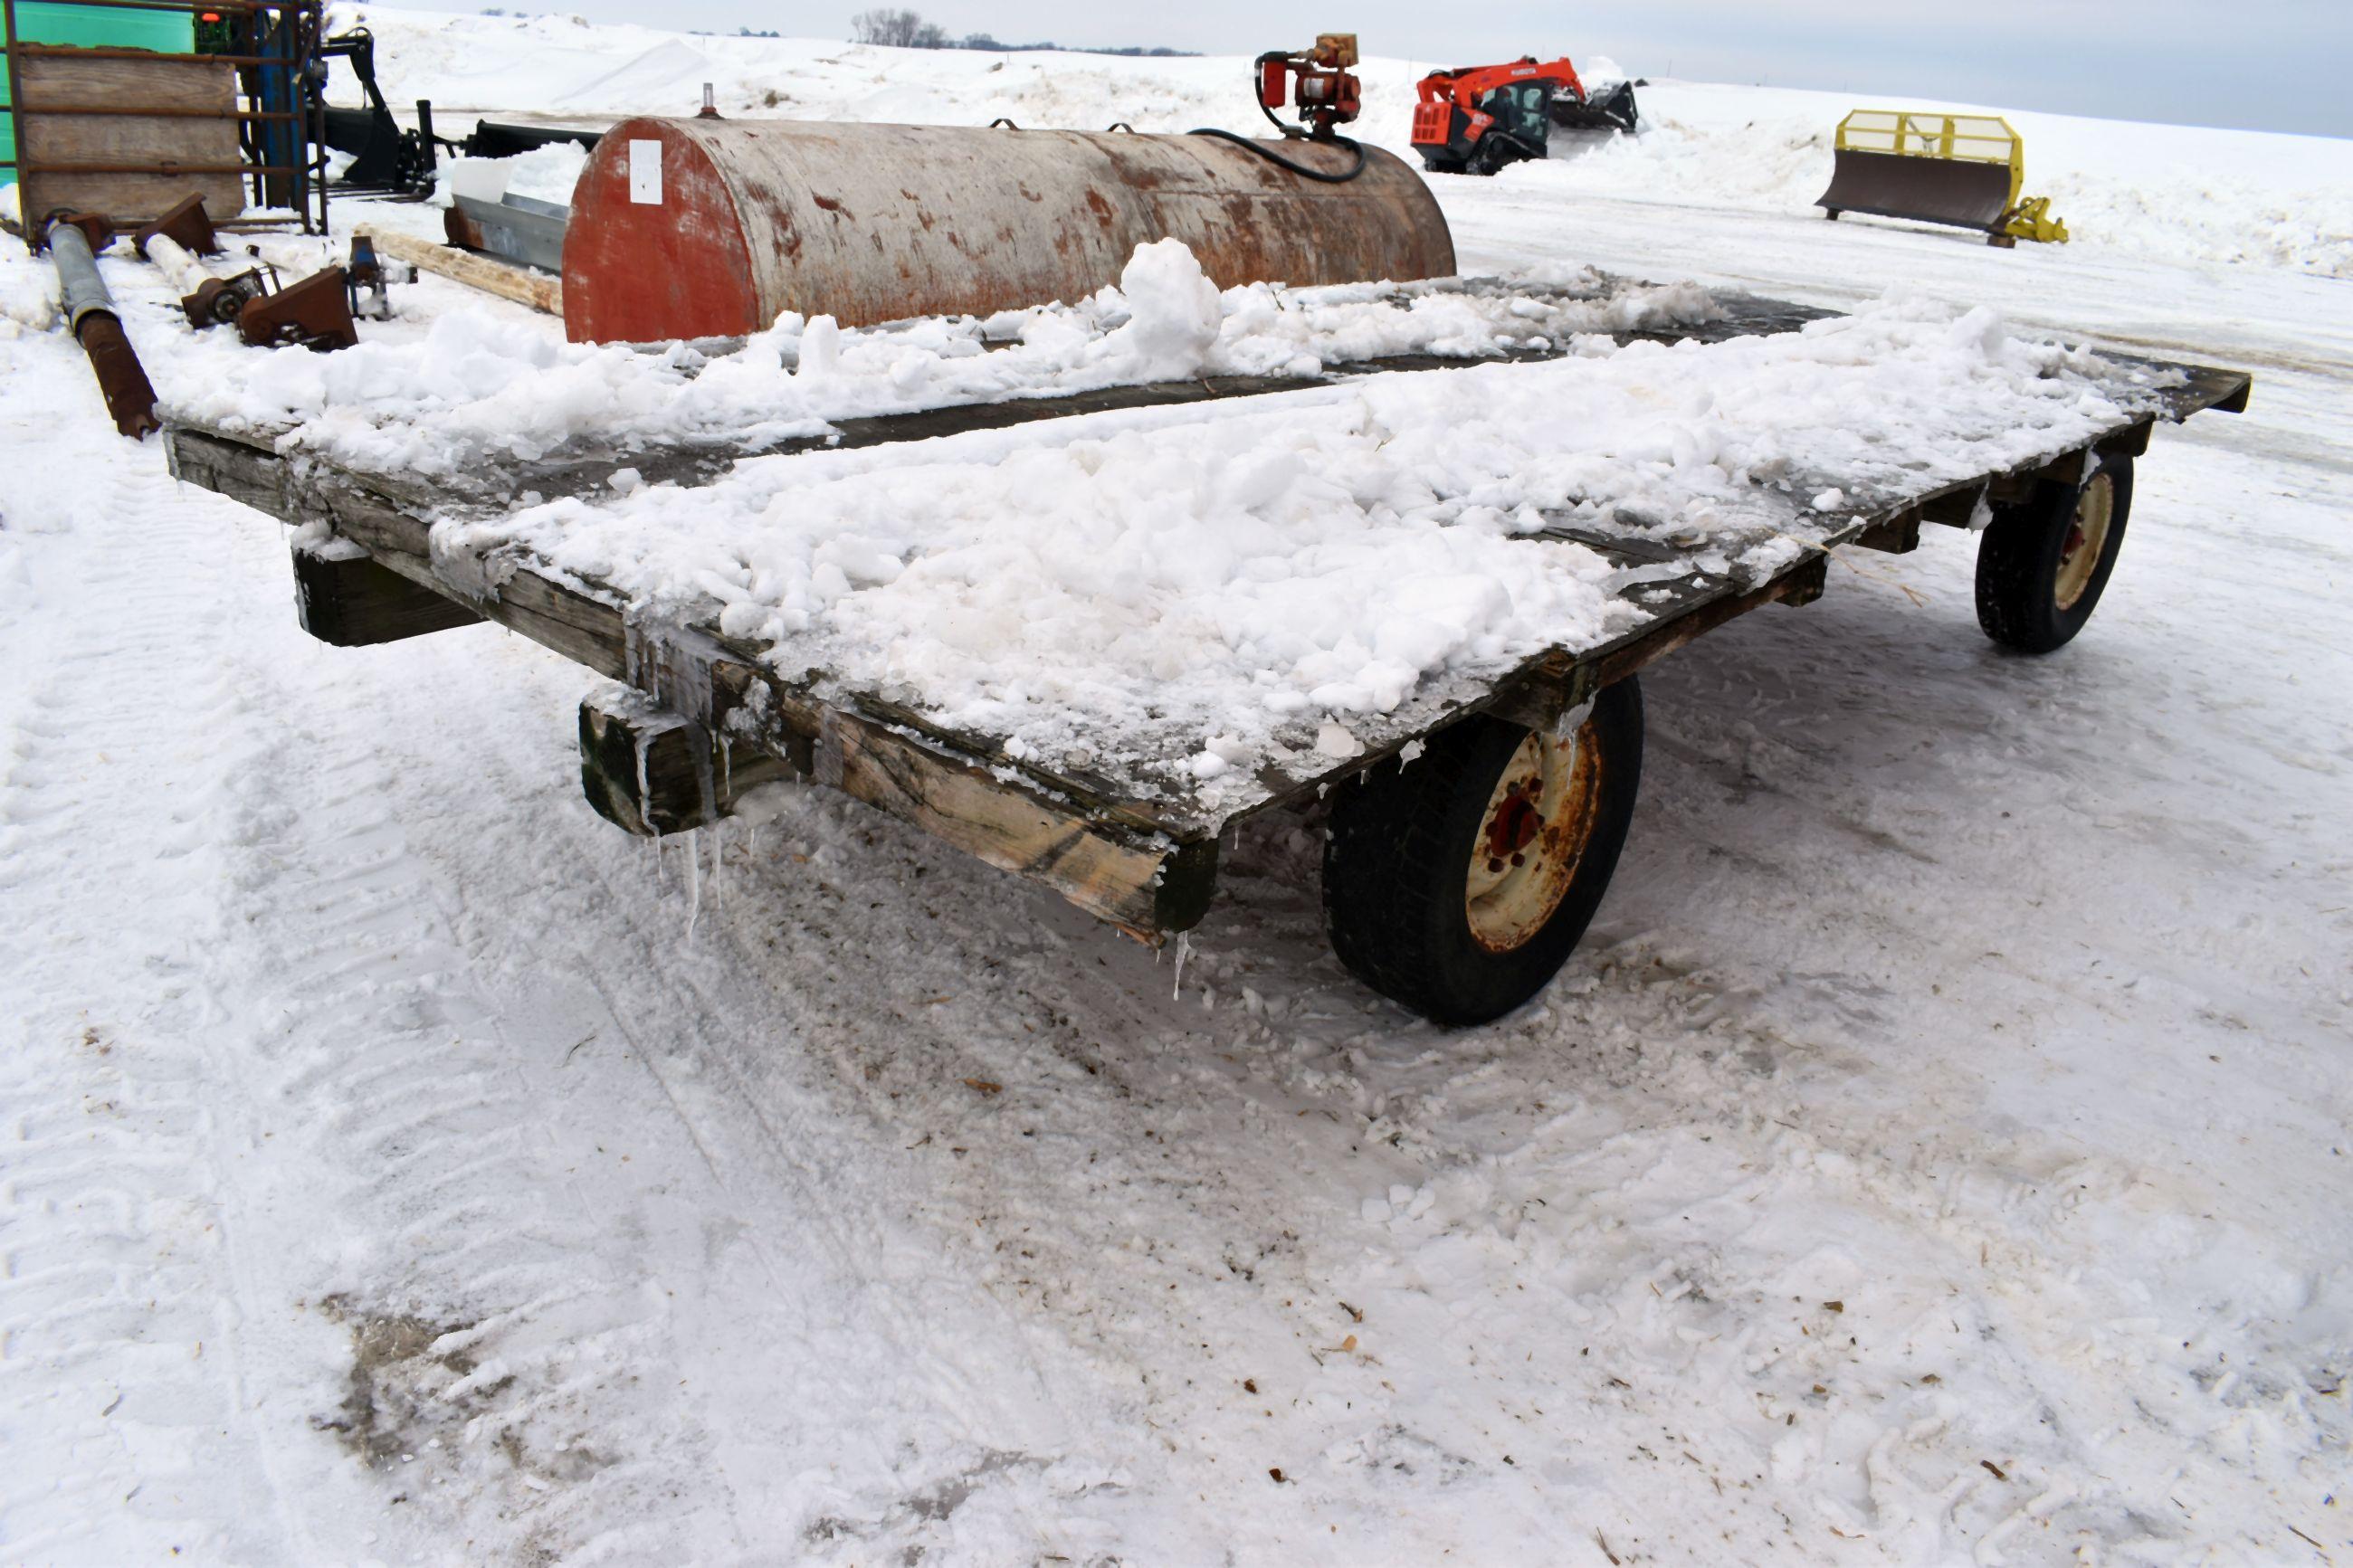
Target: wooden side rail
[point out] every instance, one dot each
(1148, 884)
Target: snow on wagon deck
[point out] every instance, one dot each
(1074, 588)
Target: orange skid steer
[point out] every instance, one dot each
(1476, 119)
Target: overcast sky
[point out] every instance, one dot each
(2276, 64)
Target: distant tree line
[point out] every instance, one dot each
(903, 29)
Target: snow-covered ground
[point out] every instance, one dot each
(1937, 1153)
(2163, 191)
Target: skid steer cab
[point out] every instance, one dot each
(1476, 119)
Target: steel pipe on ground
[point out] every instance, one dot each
(685, 229)
(90, 311)
(184, 270)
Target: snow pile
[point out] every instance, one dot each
(2198, 195)
(543, 173)
(480, 384)
(2201, 197)
(1175, 315)
(28, 295)
(1244, 574)
(1597, 74)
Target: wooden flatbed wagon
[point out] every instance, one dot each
(1474, 827)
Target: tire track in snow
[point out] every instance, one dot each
(476, 1277)
(723, 1039)
(125, 1302)
(294, 1012)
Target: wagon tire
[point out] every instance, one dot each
(1458, 883)
(2043, 561)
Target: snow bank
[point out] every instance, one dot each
(1221, 582)
(2194, 195)
(544, 173)
(28, 293)
(2183, 194)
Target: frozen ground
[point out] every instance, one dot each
(1937, 1153)
(2164, 191)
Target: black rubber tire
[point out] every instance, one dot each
(2018, 562)
(1397, 861)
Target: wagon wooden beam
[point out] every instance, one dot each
(1896, 535)
(1149, 884)
(508, 281)
(652, 770)
(1540, 692)
(345, 599)
(1095, 855)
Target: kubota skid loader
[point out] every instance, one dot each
(1476, 119)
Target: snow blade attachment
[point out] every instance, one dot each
(1964, 170)
(1603, 108)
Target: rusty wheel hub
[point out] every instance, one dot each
(2087, 540)
(1538, 820)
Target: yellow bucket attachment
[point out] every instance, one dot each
(1960, 169)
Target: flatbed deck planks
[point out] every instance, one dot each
(1120, 844)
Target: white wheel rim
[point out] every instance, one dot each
(2087, 540)
(1539, 819)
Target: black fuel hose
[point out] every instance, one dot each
(1302, 170)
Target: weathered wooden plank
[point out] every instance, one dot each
(1896, 535)
(1540, 692)
(1147, 885)
(539, 290)
(345, 598)
(1799, 584)
(64, 81)
(227, 467)
(580, 626)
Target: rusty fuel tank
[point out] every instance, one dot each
(684, 228)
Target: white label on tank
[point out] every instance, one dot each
(645, 173)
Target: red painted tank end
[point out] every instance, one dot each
(654, 249)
